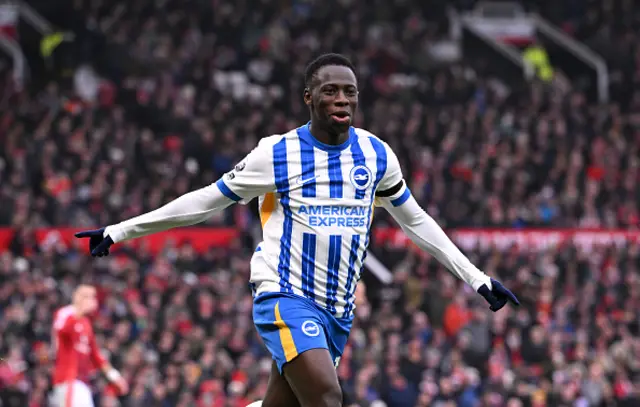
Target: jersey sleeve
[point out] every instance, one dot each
(63, 322)
(252, 177)
(394, 195)
(97, 358)
(392, 188)
(423, 230)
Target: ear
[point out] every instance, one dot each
(306, 96)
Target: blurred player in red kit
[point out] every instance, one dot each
(77, 353)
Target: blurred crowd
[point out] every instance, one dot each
(193, 90)
(475, 152)
(178, 326)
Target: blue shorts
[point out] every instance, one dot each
(290, 325)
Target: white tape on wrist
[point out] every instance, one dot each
(113, 375)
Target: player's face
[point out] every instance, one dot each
(333, 98)
(88, 300)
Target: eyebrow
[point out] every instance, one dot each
(337, 83)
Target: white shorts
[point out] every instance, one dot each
(71, 394)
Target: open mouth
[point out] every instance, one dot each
(341, 117)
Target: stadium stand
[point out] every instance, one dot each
(539, 187)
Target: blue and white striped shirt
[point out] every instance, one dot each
(316, 206)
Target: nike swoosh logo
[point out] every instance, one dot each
(301, 181)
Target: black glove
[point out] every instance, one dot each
(98, 244)
(498, 296)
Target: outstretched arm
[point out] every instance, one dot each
(252, 177)
(189, 209)
(429, 236)
(394, 195)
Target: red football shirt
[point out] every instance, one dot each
(77, 353)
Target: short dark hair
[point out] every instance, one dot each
(324, 60)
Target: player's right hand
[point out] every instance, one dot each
(98, 244)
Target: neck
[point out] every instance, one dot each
(76, 311)
(327, 136)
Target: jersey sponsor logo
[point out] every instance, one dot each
(310, 328)
(361, 177)
(335, 215)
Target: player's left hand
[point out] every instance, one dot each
(498, 296)
(98, 243)
(123, 386)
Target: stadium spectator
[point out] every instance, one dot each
(475, 154)
(575, 338)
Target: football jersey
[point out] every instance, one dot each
(316, 204)
(77, 354)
